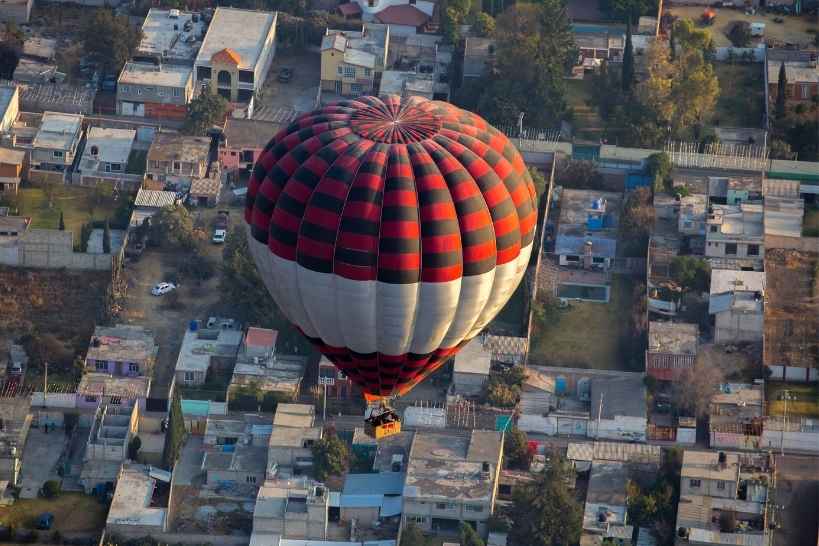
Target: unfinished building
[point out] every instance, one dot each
(15, 421)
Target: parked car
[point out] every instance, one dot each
(163, 288)
(219, 236)
(285, 75)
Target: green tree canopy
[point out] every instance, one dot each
(173, 226)
(546, 512)
(175, 434)
(516, 449)
(623, 10)
(205, 111)
(109, 40)
(483, 25)
(330, 457)
(688, 36)
(469, 537)
(781, 85)
(691, 272)
(413, 536)
(627, 77)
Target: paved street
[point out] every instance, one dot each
(797, 490)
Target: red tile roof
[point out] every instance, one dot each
(350, 9)
(261, 337)
(402, 15)
(227, 55)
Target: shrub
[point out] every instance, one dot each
(51, 489)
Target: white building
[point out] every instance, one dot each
(472, 365)
(735, 236)
(171, 36)
(737, 301)
(107, 150)
(9, 106)
(205, 345)
(132, 511)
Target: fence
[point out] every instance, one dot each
(752, 54)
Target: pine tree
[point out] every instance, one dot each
(175, 434)
(628, 63)
(62, 222)
(780, 92)
(106, 238)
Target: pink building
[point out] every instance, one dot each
(244, 141)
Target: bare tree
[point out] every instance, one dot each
(693, 391)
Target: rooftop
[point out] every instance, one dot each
(198, 346)
(508, 349)
(164, 34)
(176, 147)
(6, 95)
(739, 395)
(246, 134)
(58, 131)
(795, 71)
(131, 504)
(155, 198)
(243, 31)
(43, 48)
(736, 222)
(402, 14)
(784, 216)
(615, 452)
(122, 343)
(12, 157)
(601, 246)
(600, 40)
(283, 436)
(14, 224)
(473, 358)
(261, 337)
(294, 415)
(577, 205)
(109, 145)
(741, 291)
(15, 413)
(622, 396)
(167, 75)
(706, 465)
(274, 497)
(103, 384)
(270, 373)
(244, 458)
(672, 337)
(206, 187)
(382, 483)
(363, 48)
(607, 483)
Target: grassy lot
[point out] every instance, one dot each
(810, 224)
(587, 123)
(742, 95)
(804, 399)
(73, 202)
(590, 335)
(73, 512)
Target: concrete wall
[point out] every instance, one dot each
(619, 428)
(37, 176)
(731, 440)
(54, 400)
(736, 327)
(469, 384)
(711, 488)
(794, 440)
(51, 249)
(793, 373)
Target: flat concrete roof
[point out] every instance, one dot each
(294, 415)
(57, 131)
(112, 145)
(131, 504)
(123, 343)
(167, 75)
(200, 345)
(243, 31)
(103, 384)
(705, 465)
(160, 38)
(473, 358)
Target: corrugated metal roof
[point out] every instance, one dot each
(391, 506)
(155, 198)
(383, 483)
(361, 501)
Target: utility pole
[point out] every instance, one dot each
(786, 395)
(324, 405)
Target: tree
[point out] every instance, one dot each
(546, 512)
(62, 222)
(691, 272)
(637, 221)
(450, 25)
(413, 536)
(205, 111)
(578, 174)
(538, 180)
(109, 40)
(535, 49)
(692, 392)
(688, 37)
(173, 226)
(516, 449)
(175, 435)
(629, 10)
(780, 149)
(330, 457)
(484, 25)
(627, 78)
(804, 140)
(501, 395)
(106, 238)
(133, 447)
(781, 86)
(655, 91)
(740, 34)
(695, 89)
(469, 537)
(659, 168)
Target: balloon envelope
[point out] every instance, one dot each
(390, 231)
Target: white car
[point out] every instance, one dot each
(219, 236)
(163, 288)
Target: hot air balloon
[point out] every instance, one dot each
(390, 231)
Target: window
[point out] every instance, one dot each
(123, 89)
(720, 485)
(340, 70)
(90, 398)
(367, 72)
(188, 377)
(202, 72)
(418, 520)
(713, 229)
(139, 91)
(250, 479)
(224, 78)
(340, 375)
(177, 166)
(349, 71)
(356, 89)
(694, 483)
(226, 441)
(444, 505)
(412, 2)
(598, 260)
(101, 365)
(247, 155)
(108, 167)
(753, 250)
(116, 400)
(160, 92)
(177, 92)
(688, 224)
(731, 249)
(804, 91)
(570, 258)
(116, 167)
(473, 507)
(58, 154)
(371, 3)
(133, 367)
(244, 95)
(246, 76)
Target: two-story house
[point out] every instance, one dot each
(296, 509)
(801, 78)
(55, 144)
(106, 151)
(452, 480)
(154, 90)
(176, 160)
(735, 236)
(11, 168)
(207, 346)
(170, 36)
(351, 60)
(259, 366)
(121, 350)
(244, 141)
(737, 303)
(236, 54)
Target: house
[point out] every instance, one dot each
(735, 236)
(297, 509)
(15, 416)
(154, 90)
(112, 429)
(244, 141)
(205, 192)
(294, 416)
(370, 9)
(691, 218)
(258, 364)
(479, 57)
(37, 47)
(419, 66)
(403, 19)
(56, 142)
(289, 450)
(471, 369)
(783, 216)
(16, 11)
(672, 349)
(583, 454)
(801, 77)
(618, 408)
(368, 498)
(724, 499)
(101, 388)
(9, 106)
(121, 350)
(338, 385)
(734, 190)
(207, 347)
(14, 361)
(223, 433)
(11, 168)
(737, 303)
(351, 60)
(140, 503)
(606, 510)
(242, 466)
(106, 151)
(664, 292)
(170, 36)
(149, 202)
(736, 417)
(236, 53)
(176, 160)
(605, 44)
(452, 479)
(789, 341)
